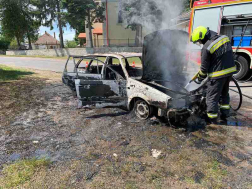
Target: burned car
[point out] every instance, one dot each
(146, 83)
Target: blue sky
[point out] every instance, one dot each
(69, 33)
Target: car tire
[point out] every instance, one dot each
(142, 109)
(242, 67)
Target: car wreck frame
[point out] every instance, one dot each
(113, 86)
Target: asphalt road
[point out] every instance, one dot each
(56, 65)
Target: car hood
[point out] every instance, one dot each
(164, 58)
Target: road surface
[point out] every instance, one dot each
(56, 65)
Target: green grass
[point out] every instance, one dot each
(9, 73)
(20, 172)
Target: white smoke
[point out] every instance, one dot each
(155, 15)
(151, 13)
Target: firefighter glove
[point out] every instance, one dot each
(201, 77)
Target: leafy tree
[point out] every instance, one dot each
(18, 20)
(33, 23)
(49, 11)
(79, 11)
(13, 21)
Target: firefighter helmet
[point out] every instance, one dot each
(198, 34)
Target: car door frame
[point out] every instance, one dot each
(69, 77)
(90, 76)
(116, 96)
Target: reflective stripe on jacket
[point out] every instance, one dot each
(217, 59)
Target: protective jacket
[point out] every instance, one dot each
(217, 57)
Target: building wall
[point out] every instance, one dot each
(117, 33)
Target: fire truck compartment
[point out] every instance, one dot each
(246, 41)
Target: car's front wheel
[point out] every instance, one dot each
(142, 110)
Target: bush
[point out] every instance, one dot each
(71, 44)
(4, 44)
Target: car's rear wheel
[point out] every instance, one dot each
(142, 109)
(242, 67)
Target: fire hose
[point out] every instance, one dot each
(236, 85)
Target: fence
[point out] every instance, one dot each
(114, 43)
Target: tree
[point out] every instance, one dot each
(79, 11)
(13, 21)
(18, 20)
(32, 22)
(49, 11)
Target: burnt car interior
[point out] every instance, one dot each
(113, 64)
(135, 72)
(107, 67)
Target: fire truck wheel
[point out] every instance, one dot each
(242, 67)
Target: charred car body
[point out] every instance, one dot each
(148, 83)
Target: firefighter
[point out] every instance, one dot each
(217, 63)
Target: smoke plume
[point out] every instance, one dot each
(166, 56)
(153, 15)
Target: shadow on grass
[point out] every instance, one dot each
(8, 73)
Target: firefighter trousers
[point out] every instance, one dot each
(218, 94)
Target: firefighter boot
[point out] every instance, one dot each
(211, 121)
(211, 118)
(225, 111)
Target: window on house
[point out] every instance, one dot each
(120, 17)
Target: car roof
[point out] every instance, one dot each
(116, 55)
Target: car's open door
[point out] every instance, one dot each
(70, 74)
(110, 91)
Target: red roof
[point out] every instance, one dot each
(82, 35)
(98, 31)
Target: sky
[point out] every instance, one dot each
(69, 33)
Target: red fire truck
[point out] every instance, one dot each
(226, 17)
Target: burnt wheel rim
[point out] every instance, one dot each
(142, 110)
(238, 67)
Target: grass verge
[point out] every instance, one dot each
(20, 172)
(8, 73)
